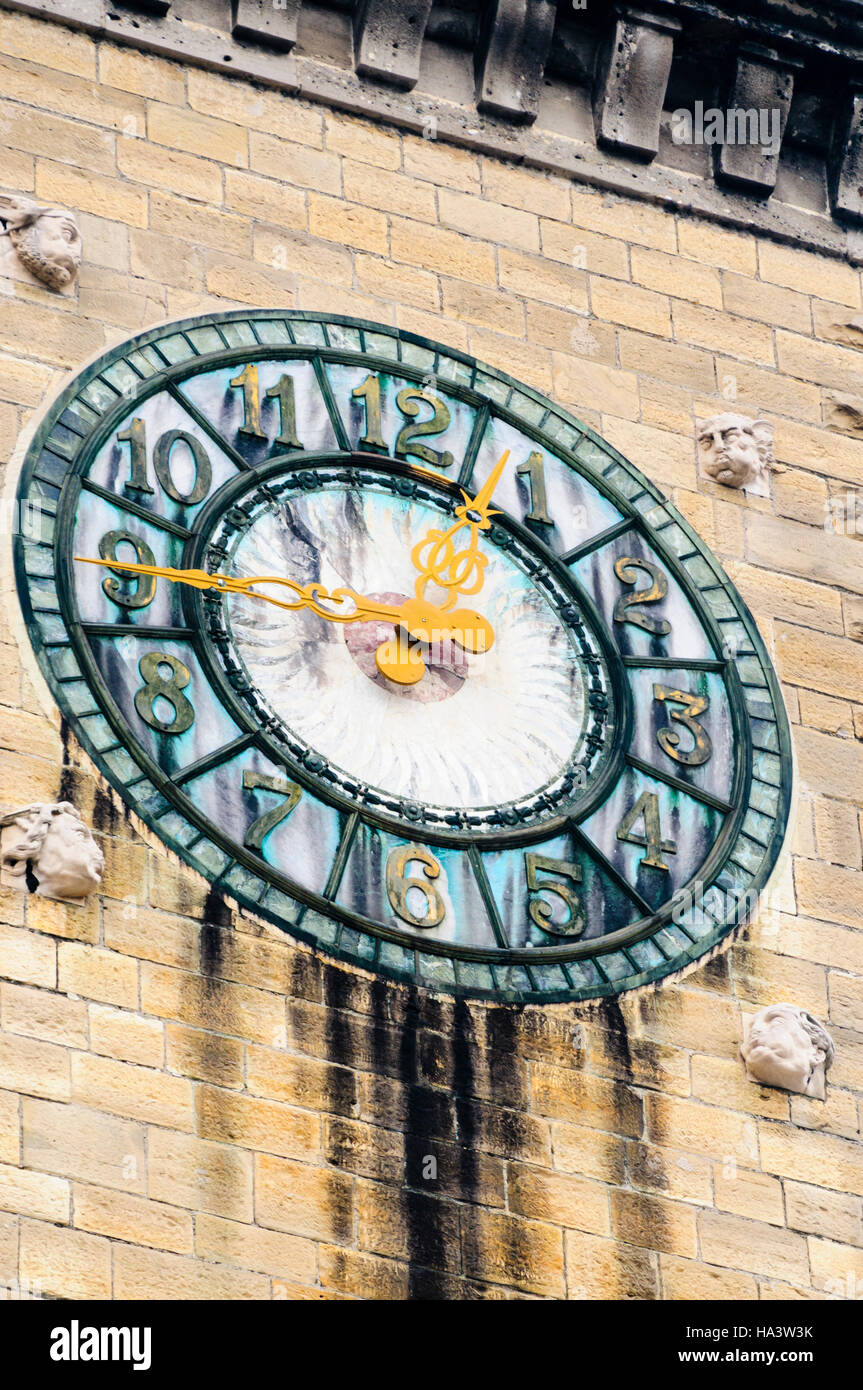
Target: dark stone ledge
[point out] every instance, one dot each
(586, 95)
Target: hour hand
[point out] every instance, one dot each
(436, 557)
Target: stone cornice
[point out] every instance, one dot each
(585, 93)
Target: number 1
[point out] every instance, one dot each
(369, 392)
(534, 471)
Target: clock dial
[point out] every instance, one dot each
(585, 796)
(484, 731)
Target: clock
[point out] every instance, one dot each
(573, 780)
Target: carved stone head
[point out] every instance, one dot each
(52, 841)
(786, 1047)
(736, 451)
(46, 240)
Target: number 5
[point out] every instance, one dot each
(539, 909)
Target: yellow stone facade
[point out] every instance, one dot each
(191, 1105)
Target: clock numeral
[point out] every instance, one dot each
(171, 689)
(625, 609)
(668, 738)
(398, 886)
(646, 809)
(144, 585)
(283, 392)
(247, 382)
(534, 470)
(408, 402)
(162, 464)
(539, 909)
(136, 437)
(369, 392)
(260, 828)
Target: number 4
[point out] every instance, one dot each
(260, 828)
(647, 807)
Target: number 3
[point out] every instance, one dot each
(668, 738)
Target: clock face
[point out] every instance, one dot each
(586, 796)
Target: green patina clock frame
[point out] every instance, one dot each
(82, 418)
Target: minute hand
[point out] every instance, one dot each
(423, 620)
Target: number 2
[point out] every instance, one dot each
(625, 610)
(408, 403)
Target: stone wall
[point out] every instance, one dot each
(193, 1106)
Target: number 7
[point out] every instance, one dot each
(260, 828)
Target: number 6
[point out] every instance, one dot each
(398, 886)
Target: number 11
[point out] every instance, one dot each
(283, 392)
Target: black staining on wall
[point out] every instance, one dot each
(67, 777)
(715, 973)
(646, 1168)
(305, 973)
(442, 1077)
(106, 816)
(424, 1215)
(610, 1018)
(641, 1222)
(216, 918)
(463, 1075)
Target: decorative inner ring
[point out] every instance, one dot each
(504, 736)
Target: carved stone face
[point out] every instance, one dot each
(63, 856)
(785, 1047)
(50, 247)
(70, 862)
(733, 449)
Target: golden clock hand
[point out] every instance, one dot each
(484, 496)
(435, 556)
(422, 620)
(308, 595)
